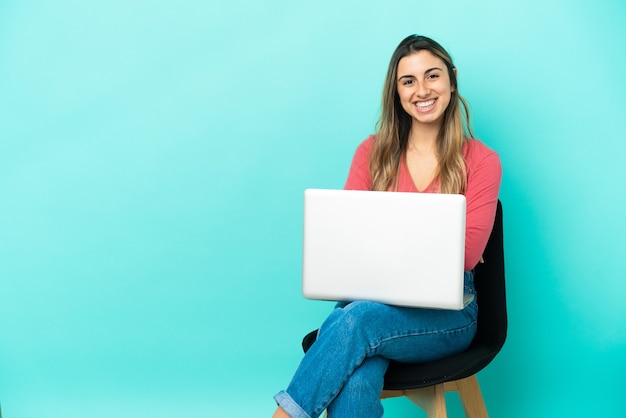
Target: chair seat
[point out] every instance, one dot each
(462, 365)
(403, 375)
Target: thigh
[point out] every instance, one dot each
(410, 334)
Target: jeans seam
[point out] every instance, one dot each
(374, 347)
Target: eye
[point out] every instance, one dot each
(407, 82)
(432, 76)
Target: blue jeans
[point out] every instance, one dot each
(343, 370)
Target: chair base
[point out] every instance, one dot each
(432, 398)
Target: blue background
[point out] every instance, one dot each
(153, 156)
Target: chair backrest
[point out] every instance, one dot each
(491, 292)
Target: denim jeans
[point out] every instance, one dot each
(343, 370)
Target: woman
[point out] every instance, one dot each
(423, 144)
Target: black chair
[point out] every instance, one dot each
(426, 383)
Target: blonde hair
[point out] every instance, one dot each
(394, 127)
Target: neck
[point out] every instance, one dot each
(423, 136)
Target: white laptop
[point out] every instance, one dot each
(404, 249)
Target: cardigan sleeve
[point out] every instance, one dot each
(484, 174)
(359, 175)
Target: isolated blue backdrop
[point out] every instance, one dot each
(153, 156)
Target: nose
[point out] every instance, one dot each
(422, 90)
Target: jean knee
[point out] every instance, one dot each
(354, 319)
(365, 312)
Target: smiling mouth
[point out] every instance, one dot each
(425, 104)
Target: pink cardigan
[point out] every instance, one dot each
(484, 173)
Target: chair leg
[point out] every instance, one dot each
(471, 397)
(431, 399)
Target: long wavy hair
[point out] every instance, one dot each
(394, 126)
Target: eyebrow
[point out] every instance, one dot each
(425, 72)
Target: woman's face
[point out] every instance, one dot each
(424, 87)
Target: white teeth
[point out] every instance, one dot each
(425, 104)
